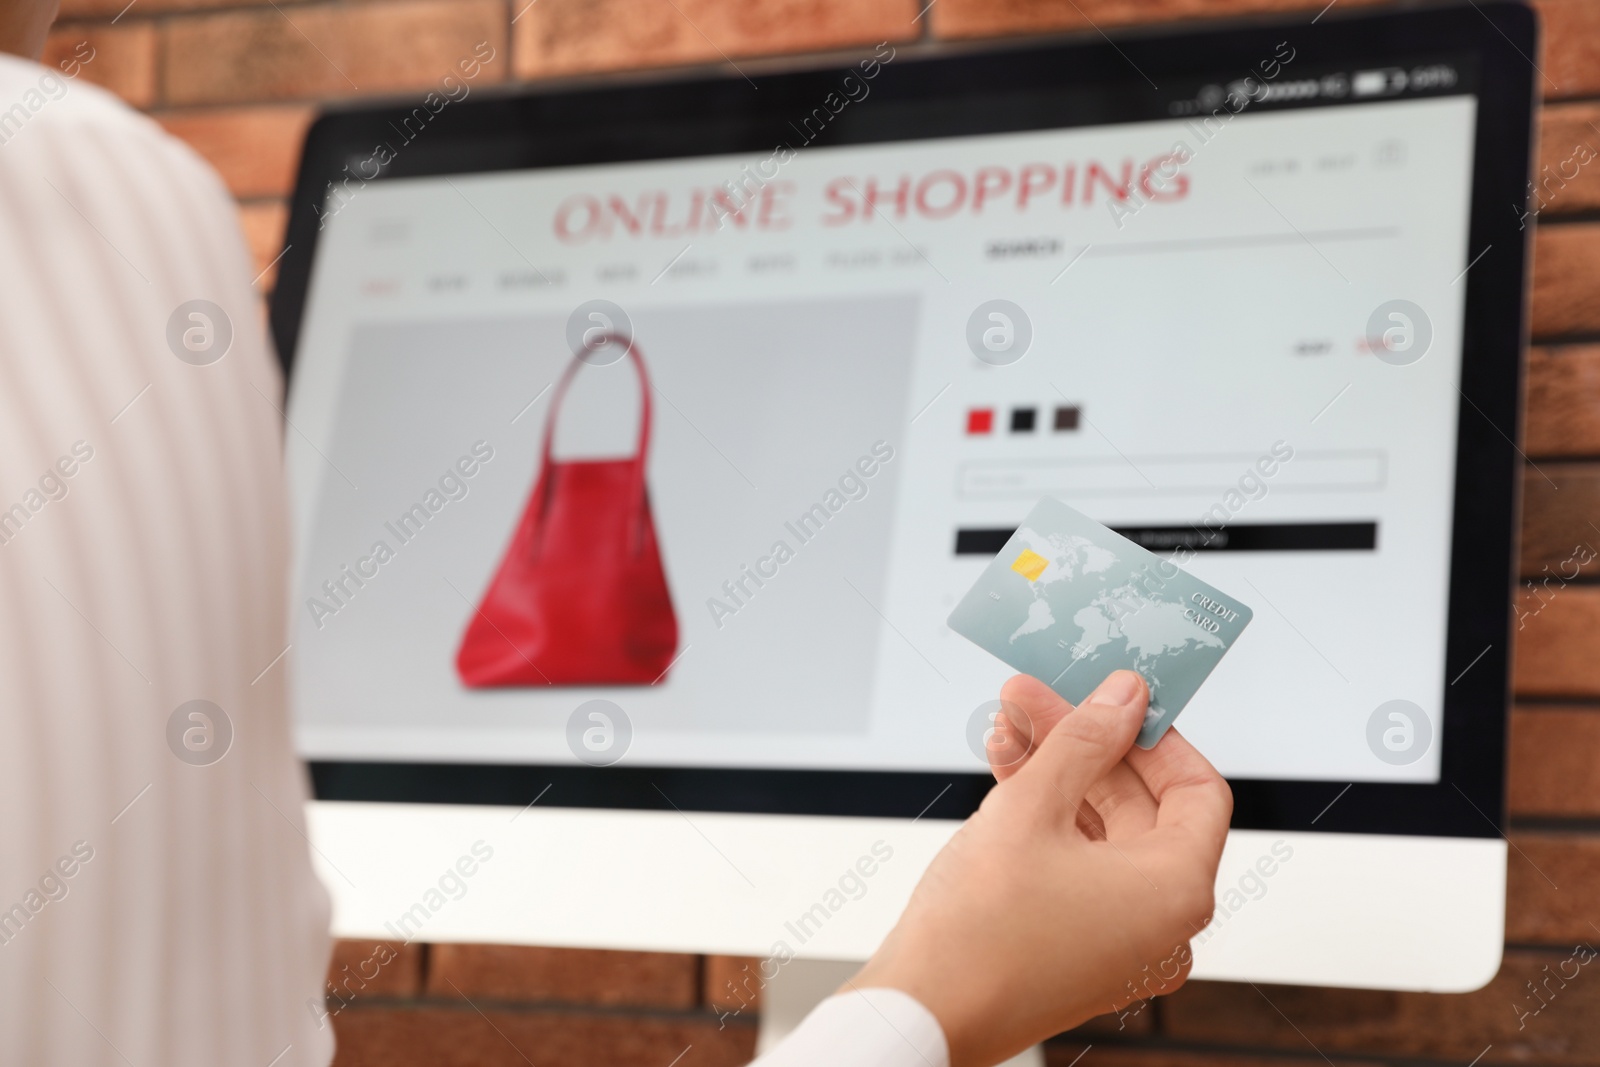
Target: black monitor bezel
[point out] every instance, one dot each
(946, 90)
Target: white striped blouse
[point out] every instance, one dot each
(157, 902)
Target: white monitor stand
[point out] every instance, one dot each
(1357, 910)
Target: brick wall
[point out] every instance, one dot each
(240, 80)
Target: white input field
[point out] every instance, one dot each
(1212, 475)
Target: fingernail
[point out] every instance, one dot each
(1121, 687)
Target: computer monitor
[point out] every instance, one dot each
(643, 432)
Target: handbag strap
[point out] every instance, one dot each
(640, 449)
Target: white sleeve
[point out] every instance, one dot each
(864, 1028)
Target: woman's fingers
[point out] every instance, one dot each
(1119, 805)
(1084, 746)
(1029, 710)
(1193, 798)
(1124, 803)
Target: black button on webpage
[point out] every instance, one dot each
(1197, 537)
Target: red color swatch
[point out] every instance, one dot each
(980, 420)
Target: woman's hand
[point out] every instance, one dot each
(1075, 888)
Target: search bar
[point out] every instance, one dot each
(1170, 475)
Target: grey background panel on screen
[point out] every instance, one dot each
(761, 408)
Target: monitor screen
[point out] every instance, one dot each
(1232, 330)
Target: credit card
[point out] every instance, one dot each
(1069, 601)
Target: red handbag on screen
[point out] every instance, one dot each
(580, 597)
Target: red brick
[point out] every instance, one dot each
(1571, 62)
(255, 149)
(263, 224)
(362, 969)
(1064, 1052)
(1555, 762)
(1560, 506)
(329, 49)
(1550, 880)
(1308, 1021)
(1563, 405)
(462, 1036)
(123, 59)
(555, 37)
(732, 983)
(1133, 1021)
(566, 975)
(1563, 182)
(1566, 279)
(1556, 643)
